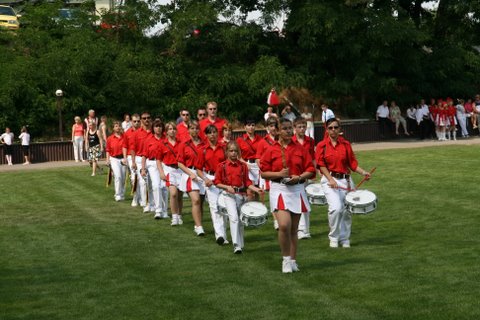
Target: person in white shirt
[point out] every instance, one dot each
(127, 122)
(7, 139)
(462, 117)
(327, 113)
(25, 138)
(287, 113)
(423, 117)
(382, 116)
(269, 114)
(309, 119)
(412, 120)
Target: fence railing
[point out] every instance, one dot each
(354, 131)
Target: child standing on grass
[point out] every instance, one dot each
(232, 177)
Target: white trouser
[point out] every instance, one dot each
(141, 183)
(156, 199)
(78, 148)
(339, 219)
(132, 176)
(462, 121)
(119, 172)
(219, 221)
(304, 224)
(233, 203)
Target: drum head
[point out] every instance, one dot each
(254, 209)
(360, 197)
(314, 189)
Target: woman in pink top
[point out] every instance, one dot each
(78, 133)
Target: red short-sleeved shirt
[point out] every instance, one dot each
(182, 132)
(188, 153)
(115, 145)
(138, 140)
(308, 144)
(210, 158)
(232, 173)
(248, 147)
(297, 159)
(339, 158)
(168, 153)
(127, 137)
(152, 147)
(218, 123)
(263, 144)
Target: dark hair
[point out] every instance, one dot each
(332, 120)
(249, 121)
(159, 123)
(210, 128)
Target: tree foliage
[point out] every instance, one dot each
(352, 53)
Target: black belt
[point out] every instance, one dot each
(280, 180)
(212, 173)
(151, 159)
(239, 189)
(119, 156)
(174, 165)
(340, 175)
(250, 160)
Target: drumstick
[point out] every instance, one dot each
(365, 178)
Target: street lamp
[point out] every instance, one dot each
(59, 94)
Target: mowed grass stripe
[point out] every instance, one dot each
(92, 258)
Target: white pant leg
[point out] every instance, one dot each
(310, 132)
(462, 121)
(141, 184)
(339, 219)
(155, 199)
(304, 224)
(219, 221)
(164, 196)
(119, 171)
(254, 173)
(132, 176)
(78, 148)
(232, 203)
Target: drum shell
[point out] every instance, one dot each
(315, 194)
(251, 216)
(361, 208)
(222, 208)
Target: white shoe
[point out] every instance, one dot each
(303, 235)
(333, 244)
(199, 231)
(117, 198)
(174, 220)
(345, 244)
(165, 215)
(287, 266)
(294, 266)
(275, 224)
(237, 249)
(158, 215)
(134, 203)
(179, 220)
(93, 174)
(146, 209)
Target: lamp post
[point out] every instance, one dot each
(59, 94)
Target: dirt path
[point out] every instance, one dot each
(402, 144)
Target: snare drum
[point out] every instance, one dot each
(253, 214)
(361, 202)
(222, 208)
(315, 194)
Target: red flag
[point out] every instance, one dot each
(272, 99)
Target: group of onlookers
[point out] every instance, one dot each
(7, 138)
(441, 119)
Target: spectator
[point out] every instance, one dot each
(103, 128)
(78, 134)
(423, 115)
(411, 120)
(269, 113)
(476, 110)
(91, 117)
(308, 117)
(94, 146)
(383, 113)
(7, 140)
(25, 138)
(327, 113)
(127, 122)
(469, 112)
(287, 113)
(396, 117)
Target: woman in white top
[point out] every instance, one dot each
(7, 140)
(309, 118)
(25, 138)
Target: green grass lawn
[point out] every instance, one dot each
(68, 251)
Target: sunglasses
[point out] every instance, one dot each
(212, 108)
(333, 127)
(201, 114)
(145, 118)
(135, 121)
(185, 115)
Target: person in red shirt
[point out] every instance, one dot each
(182, 127)
(188, 154)
(232, 177)
(116, 160)
(248, 143)
(137, 151)
(211, 156)
(300, 128)
(127, 153)
(288, 166)
(227, 130)
(211, 119)
(335, 159)
(170, 173)
(157, 199)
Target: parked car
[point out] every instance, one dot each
(9, 18)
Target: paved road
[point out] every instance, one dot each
(401, 144)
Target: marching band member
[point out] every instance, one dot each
(272, 131)
(232, 176)
(170, 173)
(335, 159)
(227, 133)
(248, 143)
(288, 166)
(187, 157)
(300, 137)
(127, 153)
(211, 118)
(137, 149)
(115, 158)
(182, 127)
(212, 155)
(152, 145)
